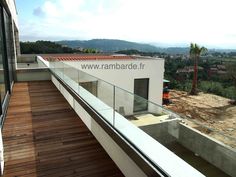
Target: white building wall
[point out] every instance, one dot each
(124, 78)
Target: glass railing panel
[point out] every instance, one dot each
(59, 69)
(105, 92)
(132, 106)
(129, 109)
(71, 76)
(131, 115)
(88, 82)
(56, 69)
(52, 66)
(124, 103)
(98, 93)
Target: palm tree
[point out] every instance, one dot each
(195, 52)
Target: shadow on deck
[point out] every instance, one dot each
(43, 136)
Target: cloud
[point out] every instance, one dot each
(168, 21)
(38, 12)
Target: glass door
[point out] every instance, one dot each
(9, 48)
(141, 87)
(2, 72)
(6, 50)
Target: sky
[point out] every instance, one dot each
(165, 22)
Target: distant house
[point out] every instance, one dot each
(221, 67)
(217, 69)
(188, 69)
(146, 80)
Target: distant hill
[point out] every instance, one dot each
(105, 45)
(114, 45)
(109, 45)
(174, 50)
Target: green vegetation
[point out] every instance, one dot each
(209, 81)
(137, 52)
(48, 47)
(218, 88)
(231, 69)
(43, 47)
(213, 87)
(213, 74)
(89, 50)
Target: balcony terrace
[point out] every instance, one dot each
(60, 127)
(43, 136)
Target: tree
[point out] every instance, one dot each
(231, 70)
(195, 52)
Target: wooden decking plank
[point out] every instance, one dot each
(43, 136)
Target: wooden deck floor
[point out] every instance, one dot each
(43, 136)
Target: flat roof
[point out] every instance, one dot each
(88, 57)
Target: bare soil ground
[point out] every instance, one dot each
(211, 114)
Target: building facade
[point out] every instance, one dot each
(138, 75)
(9, 49)
(9, 42)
